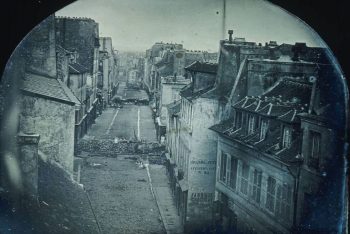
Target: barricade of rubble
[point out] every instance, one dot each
(112, 148)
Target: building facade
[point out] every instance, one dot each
(81, 35)
(192, 146)
(107, 68)
(272, 159)
(169, 93)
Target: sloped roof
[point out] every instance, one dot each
(287, 89)
(174, 107)
(203, 67)
(76, 68)
(48, 87)
(283, 102)
(187, 92)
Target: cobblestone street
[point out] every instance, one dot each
(120, 196)
(126, 197)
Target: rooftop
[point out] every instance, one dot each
(76, 68)
(203, 67)
(174, 107)
(48, 87)
(175, 80)
(187, 92)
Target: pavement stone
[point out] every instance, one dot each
(165, 201)
(120, 195)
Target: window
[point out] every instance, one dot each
(263, 129)
(233, 176)
(223, 163)
(244, 178)
(256, 185)
(238, 121)
(251, 124)
(271, 193)
(315, 149)
(284, 202)
(287, 137)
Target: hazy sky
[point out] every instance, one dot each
(135, 25)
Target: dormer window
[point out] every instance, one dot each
(287, 137)
(251, 124)
(238, 120)
(263, 129)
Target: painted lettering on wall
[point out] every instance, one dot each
(203, 166)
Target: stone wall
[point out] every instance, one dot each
(203, 81)
(39, 48)
(28, 158)
(62, 64)
(78, 34)
(264, 74)
(202, 164)
(54, 122)
(228, 66)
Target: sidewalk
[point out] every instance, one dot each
(164, 198)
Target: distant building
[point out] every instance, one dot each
(133, 78)
(153, 55)
(107, 68)
(169, 93)
(164, 60)
(77, 83)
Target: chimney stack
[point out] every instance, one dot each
(298, 49)
(230, 32)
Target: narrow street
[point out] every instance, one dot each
(124, 123)
(127, 197)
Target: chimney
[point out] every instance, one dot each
(230, 32)
(297, 50)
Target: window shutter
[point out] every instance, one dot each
(278, 200)
(228, 170)
(251, 182)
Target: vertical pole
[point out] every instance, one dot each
(223, 19)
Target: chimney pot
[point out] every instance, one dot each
(230, 32)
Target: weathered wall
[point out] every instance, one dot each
(264, 74)
(79, 35)
(202, 164)
(28, 157)
(62, 64)
(109, 65)
(40, 48)
(78, 85)
(203, 81)
(53, 121)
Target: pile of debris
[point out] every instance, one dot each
(112, 148)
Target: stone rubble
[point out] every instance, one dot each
(111, 148)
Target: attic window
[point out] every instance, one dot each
(287, 137)
(251, 124)
(238, 120)
(263, 129)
